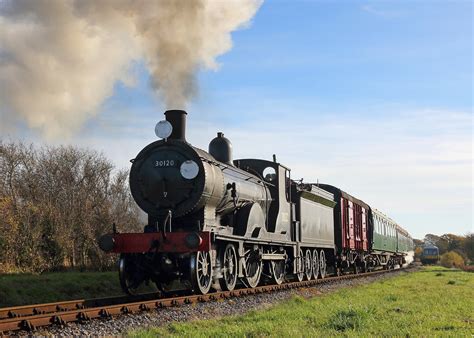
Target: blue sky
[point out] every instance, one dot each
(374, 97)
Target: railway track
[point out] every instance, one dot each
(30, 317)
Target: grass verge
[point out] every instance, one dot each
(431, 302)
(23, 289)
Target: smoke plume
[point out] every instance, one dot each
(60, 59)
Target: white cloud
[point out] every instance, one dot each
(385, 13)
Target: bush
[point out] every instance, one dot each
(55, 203)
(468, 268)
(452, 259)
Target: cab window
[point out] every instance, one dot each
(287, 185)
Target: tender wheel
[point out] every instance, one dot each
(253, 268)
(229, 263)
(128, 274)
(322, 264)
(308, 265)
(300, 266)
(278, 271)
(201, 272)
(356, 268)
(315, 264)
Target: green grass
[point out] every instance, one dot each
(22, 289)
(431, 302)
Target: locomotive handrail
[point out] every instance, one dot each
(224, 167)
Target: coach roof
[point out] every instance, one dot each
(338, 193)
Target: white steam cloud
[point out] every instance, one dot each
(409, 258)
(60, 59)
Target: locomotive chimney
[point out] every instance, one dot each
(177, 118)
(221, 149)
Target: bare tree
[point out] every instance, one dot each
(54, 204)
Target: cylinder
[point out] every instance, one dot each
(177, 118)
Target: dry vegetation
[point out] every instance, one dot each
(54, 204)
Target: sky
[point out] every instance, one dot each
(374, 97)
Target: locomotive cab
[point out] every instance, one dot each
(277, 177)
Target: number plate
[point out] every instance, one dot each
(166, 163)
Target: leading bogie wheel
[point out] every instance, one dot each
(229, 263)
(308, 265)
(201, 271)
(127, 274)
(315, 264)
(322, 264)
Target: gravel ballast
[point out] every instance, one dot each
(120, 325)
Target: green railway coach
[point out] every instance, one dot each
(405, 242)
(390, 242)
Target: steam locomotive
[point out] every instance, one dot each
(215, 222)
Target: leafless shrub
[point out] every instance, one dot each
(54, 204)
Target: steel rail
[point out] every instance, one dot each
(35, 309)
(30, 317)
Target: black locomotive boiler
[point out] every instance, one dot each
(214, 222)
